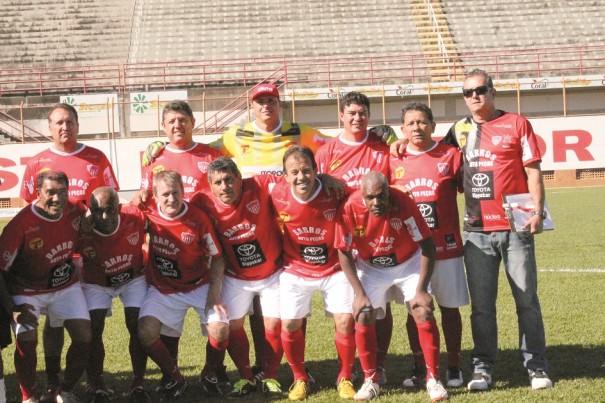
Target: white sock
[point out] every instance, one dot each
(2, 391)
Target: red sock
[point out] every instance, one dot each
(294, 347)
(26, 361)
(76, 360)
(158, 352)
(384, 331)
(451, 323)
(274, 352)
(345, 346)
(412, 329)
(365, 338)
(239, 350)
(428, 333)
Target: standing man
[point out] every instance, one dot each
(307, 218)
(37, 247)
(394, 250)
(431, 172)
(245, 222)
(112, 257)
(501, 156)
(185, 271)
(87, 168)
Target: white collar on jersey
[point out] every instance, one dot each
(277, 130)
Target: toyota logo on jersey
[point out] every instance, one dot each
(480, 179)
(62, 270)
(246, 250)
(253, 206)
(425, 209)
(313, 250)
(119, 279)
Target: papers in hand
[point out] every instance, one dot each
(519, 208)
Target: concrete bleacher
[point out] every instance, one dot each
(67, 33)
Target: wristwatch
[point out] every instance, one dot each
(541, 213)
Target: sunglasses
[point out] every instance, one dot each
(479, 90)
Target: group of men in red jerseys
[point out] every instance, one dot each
(216, 241)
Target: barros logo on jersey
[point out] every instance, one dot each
(359, 231)
(496, 140)
(93, 170)
(246, 249)
(63, 249)
(202, 166)
(396, 223)
(335, 164)
(399, 172)
(253, 206)
(443, 168)
(480, 179)
(89, 252)
(313, 250)
(36, 244)
(133, 238)
(425, 209)
(330, 214)
(187, 237)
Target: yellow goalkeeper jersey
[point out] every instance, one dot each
(258, 152)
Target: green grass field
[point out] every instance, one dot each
(571, 262)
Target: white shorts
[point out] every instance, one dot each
(297, 293)
(237, 295)
(382, 285)
(131, 294)
(170, 309)
(448, 283)
(59, 306)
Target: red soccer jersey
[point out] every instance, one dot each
(349, 160)
(115, 259)
(382, 241)
(434, 178)
(179, 250)
(87, 169)
(495, 154)
(192, 164)
(308, 231)
(248, 230)
(37, 252)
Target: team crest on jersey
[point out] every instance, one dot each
(157, 169)
(330, 214)
(9, 257)
(253, 206)
(396, 223)
(335, 164)
(133, 238)
(283, 216)
(89, 252)
(202, 166)
(399, 172)
(496, 140)
(187, 237)
(75, 224)
(443, 168)
(359, 231)
(244, 148)
(93, 170)
(36, 244)
(506, 140)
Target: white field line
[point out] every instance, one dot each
(595, 270)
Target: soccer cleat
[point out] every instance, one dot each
(139, 395)
(100, 396)
(481, 381)
(416, 379)
(368, 391)
(539, 380)
(210, 385)
(299, 390)
(242, 388)
(436, 390)
(309, 376)
(345, 389)
(50, 394)
(381, 376)
(454, 377)
(258, 373)
(270, 386)
(67, 397)
(96, 384)
(172, 390)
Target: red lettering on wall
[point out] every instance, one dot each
(576, 141)
(8, 180)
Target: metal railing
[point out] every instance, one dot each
(310, 72)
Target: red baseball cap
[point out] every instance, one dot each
(264, 89)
